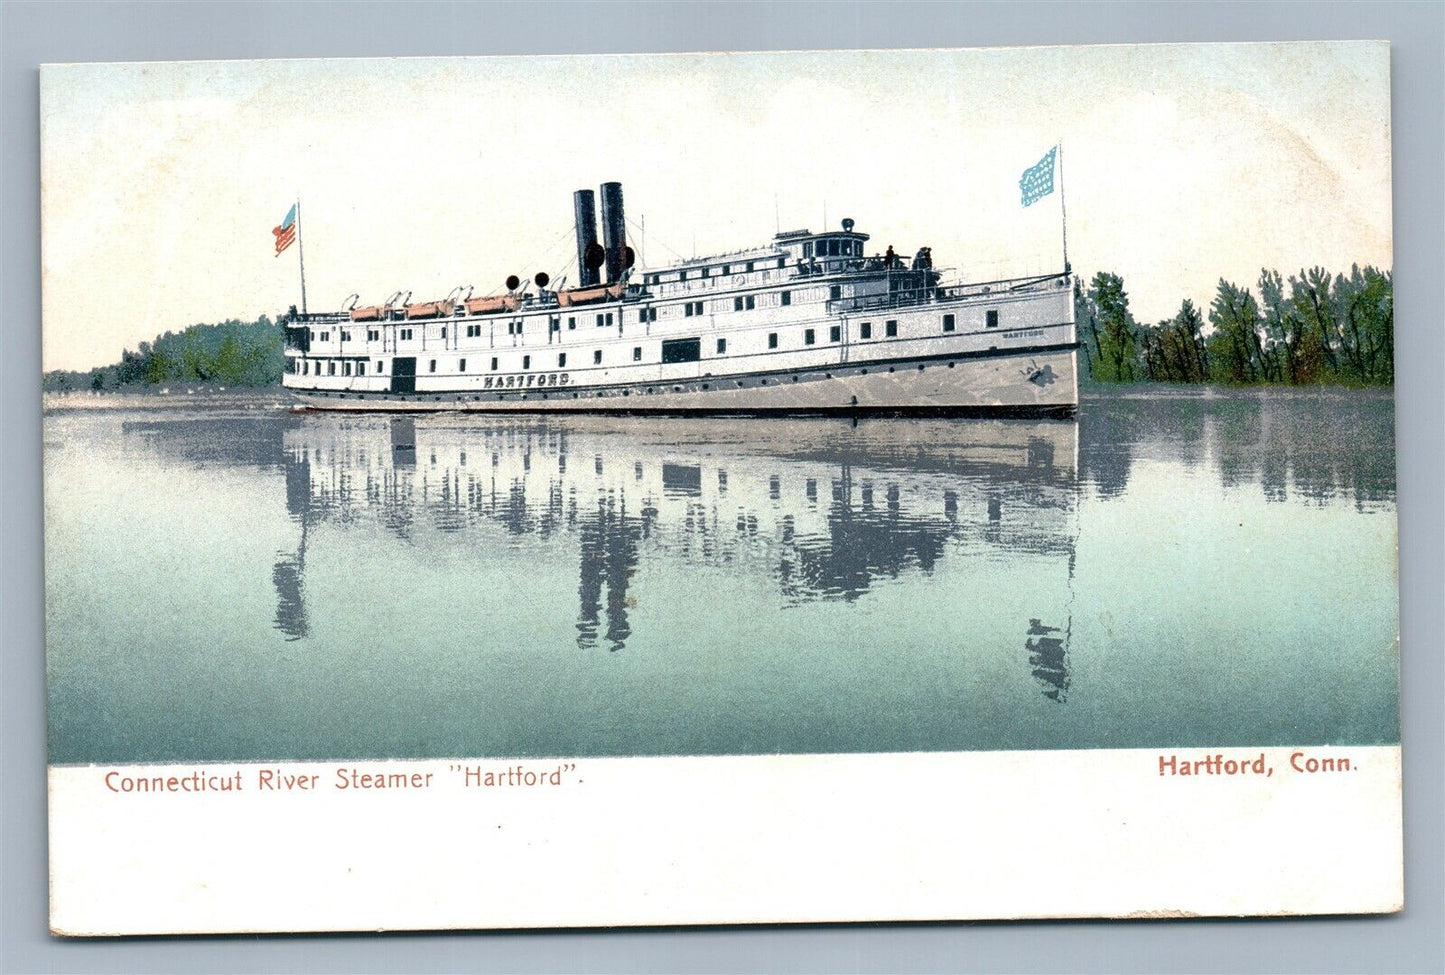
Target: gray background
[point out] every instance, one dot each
(32, 33)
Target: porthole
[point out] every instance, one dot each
(795, 379)
(862, 372)
(950, 365)
(891, 369)
(920, 367)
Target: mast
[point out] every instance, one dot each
(1063, 210)
(301, 253)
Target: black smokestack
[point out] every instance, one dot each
(614, 231)
(585, 209)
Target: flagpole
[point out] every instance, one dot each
(1063, 210)
(301, 253)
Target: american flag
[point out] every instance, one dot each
(286, 233)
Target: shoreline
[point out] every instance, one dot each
(272, 398)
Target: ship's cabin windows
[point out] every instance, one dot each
(782, 262)
(722, 346)
(474, 331)
(462, 366)
(948, 323)
(311, 334)
(738, 304)
(785, 298)
(555, 324)
(808, 336)
(748, 303)
(835, 333)
(571, 322)
(750, 265)
(406, 334)
(992, 320)
(325, 336)
(641, 315)
(772, 340)
(682, 350)
(432, 366)
(331, 368)
(890, 328)
(600, 320)
(345, 337)
(808, 248)
(865, 330)
(380, 367)
(494, 363)
(361, 367)
(597, 357)
(561, 360)
(637, 353)
(835, 292)
(526, 362)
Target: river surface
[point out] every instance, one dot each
(1171, 570)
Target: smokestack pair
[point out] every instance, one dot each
(613, 252)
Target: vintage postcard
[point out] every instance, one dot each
(720, 488)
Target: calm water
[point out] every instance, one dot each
(1168, 571)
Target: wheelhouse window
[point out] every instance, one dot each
(948, 323)
(890, 328)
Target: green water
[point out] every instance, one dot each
(1171, 570)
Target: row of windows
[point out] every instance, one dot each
(835, 334)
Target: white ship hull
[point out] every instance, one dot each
(1023, 383)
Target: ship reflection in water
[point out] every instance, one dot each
(822, 509)
(1165, 572)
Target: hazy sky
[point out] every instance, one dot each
(1182, 164)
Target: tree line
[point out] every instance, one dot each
(1312, 328)
(229, 353)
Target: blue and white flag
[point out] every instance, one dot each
(1037, 181)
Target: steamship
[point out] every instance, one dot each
(807, 323)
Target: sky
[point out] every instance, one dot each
(1181, 165)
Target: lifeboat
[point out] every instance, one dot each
(589, 296)
(429, 309)
(484, 306)
(371, 313)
